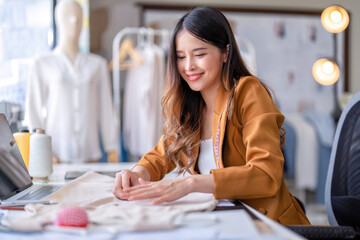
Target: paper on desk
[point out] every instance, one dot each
(234, 224)
(225, 203)
(176, 234)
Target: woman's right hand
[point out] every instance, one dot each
(126, 179)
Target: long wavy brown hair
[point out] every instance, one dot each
(182, 107)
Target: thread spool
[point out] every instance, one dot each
(40, 156)
(22, 139)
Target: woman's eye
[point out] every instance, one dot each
(180, 57)
(200, 55)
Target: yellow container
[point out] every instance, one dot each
(22, 139)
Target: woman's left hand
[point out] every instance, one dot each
(162, 191)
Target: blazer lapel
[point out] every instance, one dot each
(219, 124)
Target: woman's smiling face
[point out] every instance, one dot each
(199, 63)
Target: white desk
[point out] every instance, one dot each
(59, 170)
(209, 225)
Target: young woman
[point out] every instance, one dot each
(221, 125)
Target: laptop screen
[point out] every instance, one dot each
(13, 174)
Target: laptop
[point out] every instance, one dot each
(16, 185)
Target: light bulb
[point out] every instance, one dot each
(335, 19)
(328, 67)
(335, 16)
(325, 71)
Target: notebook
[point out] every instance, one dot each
(16, 185)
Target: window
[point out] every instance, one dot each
(26, 30)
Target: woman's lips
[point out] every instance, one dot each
(194, 77)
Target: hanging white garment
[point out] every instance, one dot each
(306, 153)
(142, 102)
(76, 100)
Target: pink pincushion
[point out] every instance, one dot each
(72, 217)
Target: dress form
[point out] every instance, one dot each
(73, 90)
(68, 16)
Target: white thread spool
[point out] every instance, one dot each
(40, 155)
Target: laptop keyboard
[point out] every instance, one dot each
(40, 192)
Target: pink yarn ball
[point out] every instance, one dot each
(72, 217)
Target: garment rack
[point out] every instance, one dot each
(142, 34)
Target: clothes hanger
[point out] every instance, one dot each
(129, 57)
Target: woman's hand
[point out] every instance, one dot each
(171, 189)
(126, 179)
(162, 191)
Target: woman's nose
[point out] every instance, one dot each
(189, 64)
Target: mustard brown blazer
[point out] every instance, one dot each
(247, 153)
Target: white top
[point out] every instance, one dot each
(206, 160)
(73, 104)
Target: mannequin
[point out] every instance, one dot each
(69, 95)
(68, 17)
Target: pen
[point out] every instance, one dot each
(12, 208)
